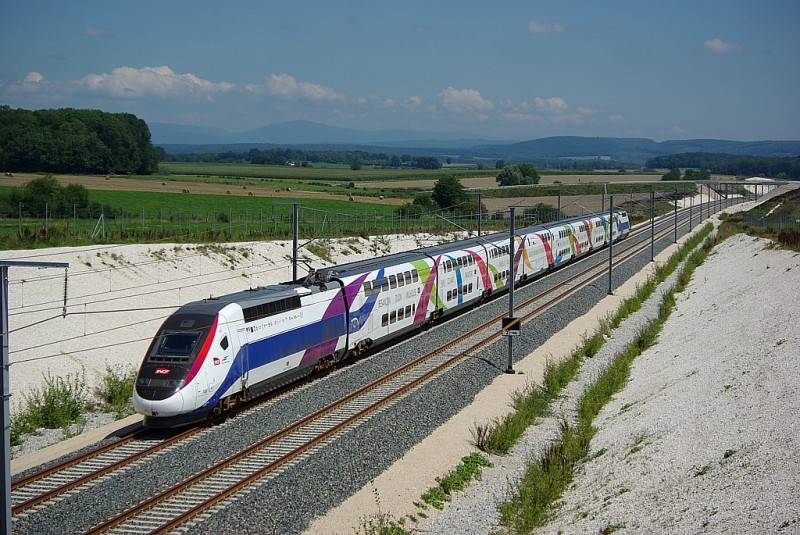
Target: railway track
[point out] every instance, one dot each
(190, 499)
(209, 490)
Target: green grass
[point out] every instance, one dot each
(57, 404)
(548, 476)
(470, 468)
(116, 390)
(317, 172)
(61, 401)
(135, 217)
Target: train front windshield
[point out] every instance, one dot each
(177, 344)
(180, 338)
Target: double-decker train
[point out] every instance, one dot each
(212, 354)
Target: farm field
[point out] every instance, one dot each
(205, 207)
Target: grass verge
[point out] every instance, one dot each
(548, 476)
(62, 401)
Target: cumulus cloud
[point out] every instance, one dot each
(96, 32)
(550, 105)
(33, 77)
(463, 100)
(33, 83)
(159, 82)
(414, 101)
(539, 27)
(285, 85)
(718, 46)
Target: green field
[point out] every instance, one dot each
(126, 216)
(342, 174)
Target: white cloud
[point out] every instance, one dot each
(150, 82)
(285, 85)
(550, 105)
(539, 27)
(414, 101)
(96, 32)
(33, 77)
(718, 46)
(464, 100)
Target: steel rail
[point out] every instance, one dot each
(319, 438)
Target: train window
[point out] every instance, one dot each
(367, 289)
(415, 275)
(449, 265)
(384, 320)
(384, 284)
(271, 308)
(400, 280)
(393, 281)
(224, 343)
(399, 314)
(393, 317)
(408, 277)
(177, 344)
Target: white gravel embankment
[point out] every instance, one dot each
(705, 437)
(118, 296)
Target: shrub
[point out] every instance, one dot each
(117, 389)
(58, 404)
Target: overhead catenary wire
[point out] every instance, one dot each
(64, 353)
(86, 335)
(30, 308)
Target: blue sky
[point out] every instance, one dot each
(503, 69)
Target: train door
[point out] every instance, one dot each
(244, 361)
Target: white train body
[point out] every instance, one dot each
(211, 354)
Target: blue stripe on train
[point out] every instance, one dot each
(273, 348)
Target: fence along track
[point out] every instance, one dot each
(213, 488)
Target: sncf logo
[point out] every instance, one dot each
(162, 371)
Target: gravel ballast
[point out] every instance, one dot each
(704, 438)
(317, 485)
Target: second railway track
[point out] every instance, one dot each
(272, 455)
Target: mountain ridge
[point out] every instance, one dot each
(458, 146)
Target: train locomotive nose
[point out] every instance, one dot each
(170, 406)
(158, 391)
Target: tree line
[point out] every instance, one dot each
(783, 168)
(75, 141)
(307, 158)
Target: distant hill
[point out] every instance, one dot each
(629, 150)
(456, 145)
(308, 132)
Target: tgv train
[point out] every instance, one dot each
(213, 354)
